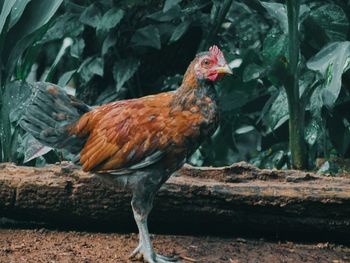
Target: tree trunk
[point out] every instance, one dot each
(236, 199)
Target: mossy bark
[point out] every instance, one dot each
(238, 198)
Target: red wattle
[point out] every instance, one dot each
(213, 76)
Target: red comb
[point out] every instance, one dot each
(215, 51)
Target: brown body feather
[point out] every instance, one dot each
(122, 134)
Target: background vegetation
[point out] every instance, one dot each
(290, 60)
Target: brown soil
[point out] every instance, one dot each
(52, 246)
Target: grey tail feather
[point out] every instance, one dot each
(49, 113)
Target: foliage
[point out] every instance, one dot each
(22, 22)
(266, 65)
(126, 49)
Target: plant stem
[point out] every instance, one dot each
(296, 110)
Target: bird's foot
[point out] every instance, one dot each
(165, 259)
(151, 257)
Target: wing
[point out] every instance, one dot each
(133, 134)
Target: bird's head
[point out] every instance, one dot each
(211, 65)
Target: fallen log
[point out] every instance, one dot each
(235, 199)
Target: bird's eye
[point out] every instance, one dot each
(206, 62)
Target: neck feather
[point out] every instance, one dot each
(191, 87)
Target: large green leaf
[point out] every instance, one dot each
(275, 46)
(90, 67)
(279, 12)
(278, 113)
(16, 95)
(33, 148)
(174, 13)
(66, 77)
(36, 14)
(91, 16)
(123, 70)
(5, 11)
(17, 11)
(168, 4)
(147, 37)
(109, 42)
(66, 25)
(110, 19)
(313, 131)
(234, 94)
(331, 20)
(77, 48)
(180, 30)
(13, 104)
(4, 23)
(252, 71)
(330, 63)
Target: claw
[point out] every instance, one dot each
(135, 252)
(165, 259)
(139, 254)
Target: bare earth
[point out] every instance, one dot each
(58, 246)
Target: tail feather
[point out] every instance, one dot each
(50, 114)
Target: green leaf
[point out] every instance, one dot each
(17, 11)
(174, 13)
(316, 102)
(66, 25)
(279, 12)
(252, 71)
(312, 131)
(123, 70)
(91, 16)
(230, 100)
(275, 46)
(29, 23)
(5, 11)
(147, 37)
(278, 113)
(66, 77)
(33, 148)
(109, 42)
(330, 63)
(170, 4)
(35, 16)
(329, 167)
(77, 48)
(90, 67)
(179, 31)
(16, 95)
(244, 129)
(331, 20)
(110, 19)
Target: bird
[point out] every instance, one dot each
(140, 141)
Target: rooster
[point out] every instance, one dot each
(140, 142)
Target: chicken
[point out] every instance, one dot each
(140, 142)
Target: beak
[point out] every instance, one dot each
(224, 70)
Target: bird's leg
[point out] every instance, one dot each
(141, 208)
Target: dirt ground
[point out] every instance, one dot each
(44, 245)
